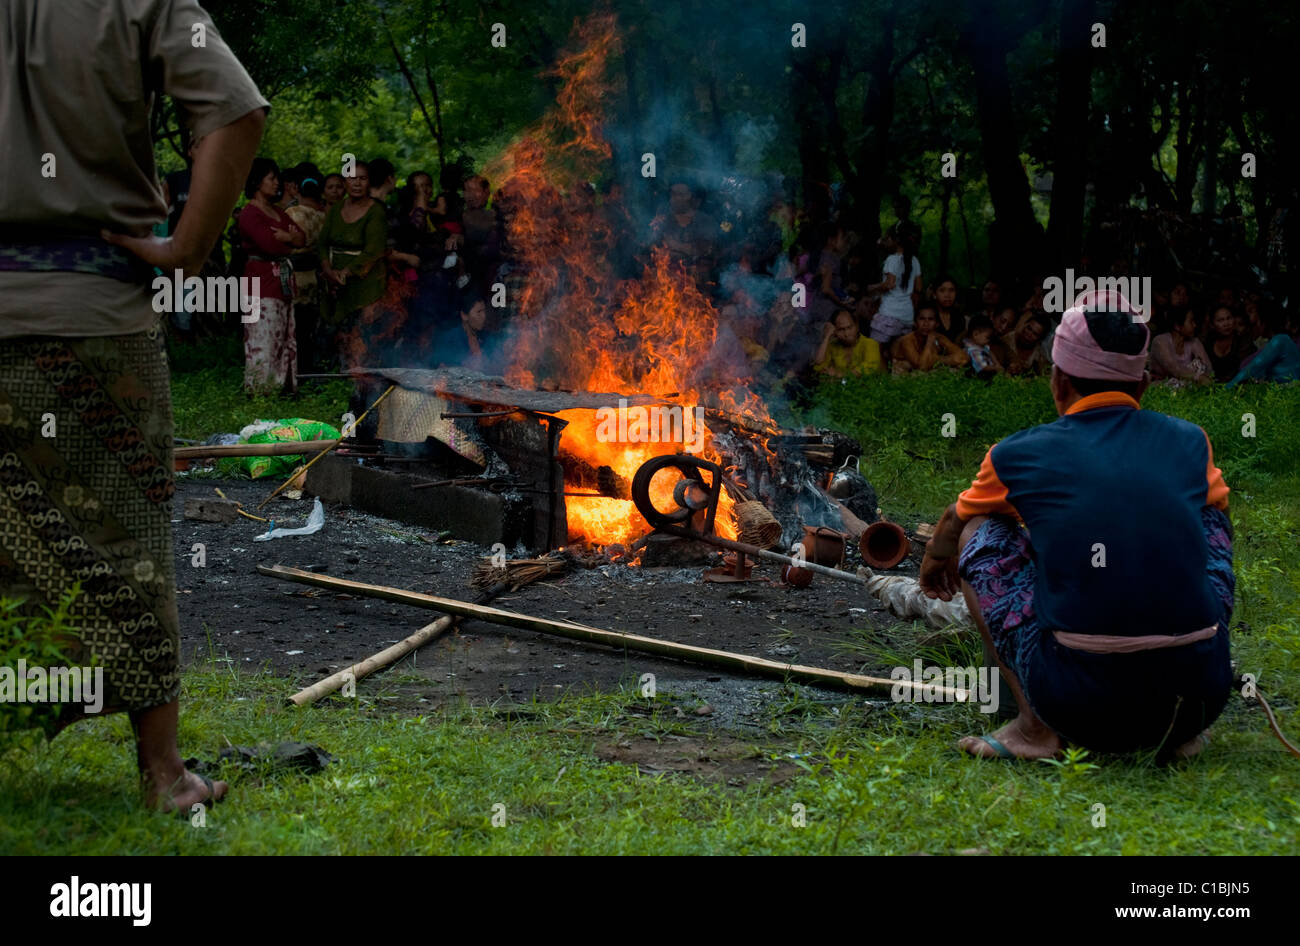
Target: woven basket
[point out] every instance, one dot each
(756, 525)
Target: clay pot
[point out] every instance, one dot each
(884, 544)
(823, 545)
(729, 562)
(796, 577)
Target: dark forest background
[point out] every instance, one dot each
(1065, 150)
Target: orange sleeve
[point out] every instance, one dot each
(987, 494)
(1216, 493)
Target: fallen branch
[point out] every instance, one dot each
(816, 676)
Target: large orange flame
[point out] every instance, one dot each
(574, 324)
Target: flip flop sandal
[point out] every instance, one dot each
(1002, 751)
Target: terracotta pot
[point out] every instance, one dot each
(796, 577)
(729, 562)
(823, 545)
(884, 544)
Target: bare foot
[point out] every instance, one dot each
(180, 794)
(1194, 746)
(1022, 739)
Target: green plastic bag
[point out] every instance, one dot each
(290, 430)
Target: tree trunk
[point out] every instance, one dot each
(1073, 107)
(1185, 176)
(945, 239)
(1015, 238)
(878, 118)
(814, 162)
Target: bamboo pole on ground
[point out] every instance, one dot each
(390, 655)
(303, 472)
(817, 676)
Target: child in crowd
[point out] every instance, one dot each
(900, 284)
(844, 350)
(978, 344)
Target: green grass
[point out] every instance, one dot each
(880, 782)
(208, 396)
(870, 780)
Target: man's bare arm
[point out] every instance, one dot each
(938, 577)
(221, 164)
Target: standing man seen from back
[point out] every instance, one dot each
(89, 500)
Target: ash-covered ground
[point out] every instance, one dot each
(302, 633)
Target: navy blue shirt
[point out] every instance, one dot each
(1112, 498)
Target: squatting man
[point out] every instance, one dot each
(1095, 554)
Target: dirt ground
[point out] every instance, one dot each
(303, 633)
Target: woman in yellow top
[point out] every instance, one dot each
(845, 351)
(923, 348)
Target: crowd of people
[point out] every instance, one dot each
(355, 268)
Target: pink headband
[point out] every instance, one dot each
(1077, 353)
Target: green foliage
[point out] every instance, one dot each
(41, 640)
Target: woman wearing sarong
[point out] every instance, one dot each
(86, 477)
(268, 236)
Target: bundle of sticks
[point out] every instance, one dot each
(518, 572)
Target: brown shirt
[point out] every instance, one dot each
(77, 81)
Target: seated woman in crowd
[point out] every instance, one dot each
(268, 236)
(1279, 359)
(952, 321)
(1004, 321)
(923, 348)
(1178, 355)
(844, 350)
(1025, 355)
(468, 344)
(986, 352)
(1222, 345)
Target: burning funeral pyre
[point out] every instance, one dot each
(603, 374)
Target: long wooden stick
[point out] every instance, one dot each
(759, 666)
(755, 551)
(390, 655)
(286, 448)
(293, 476)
